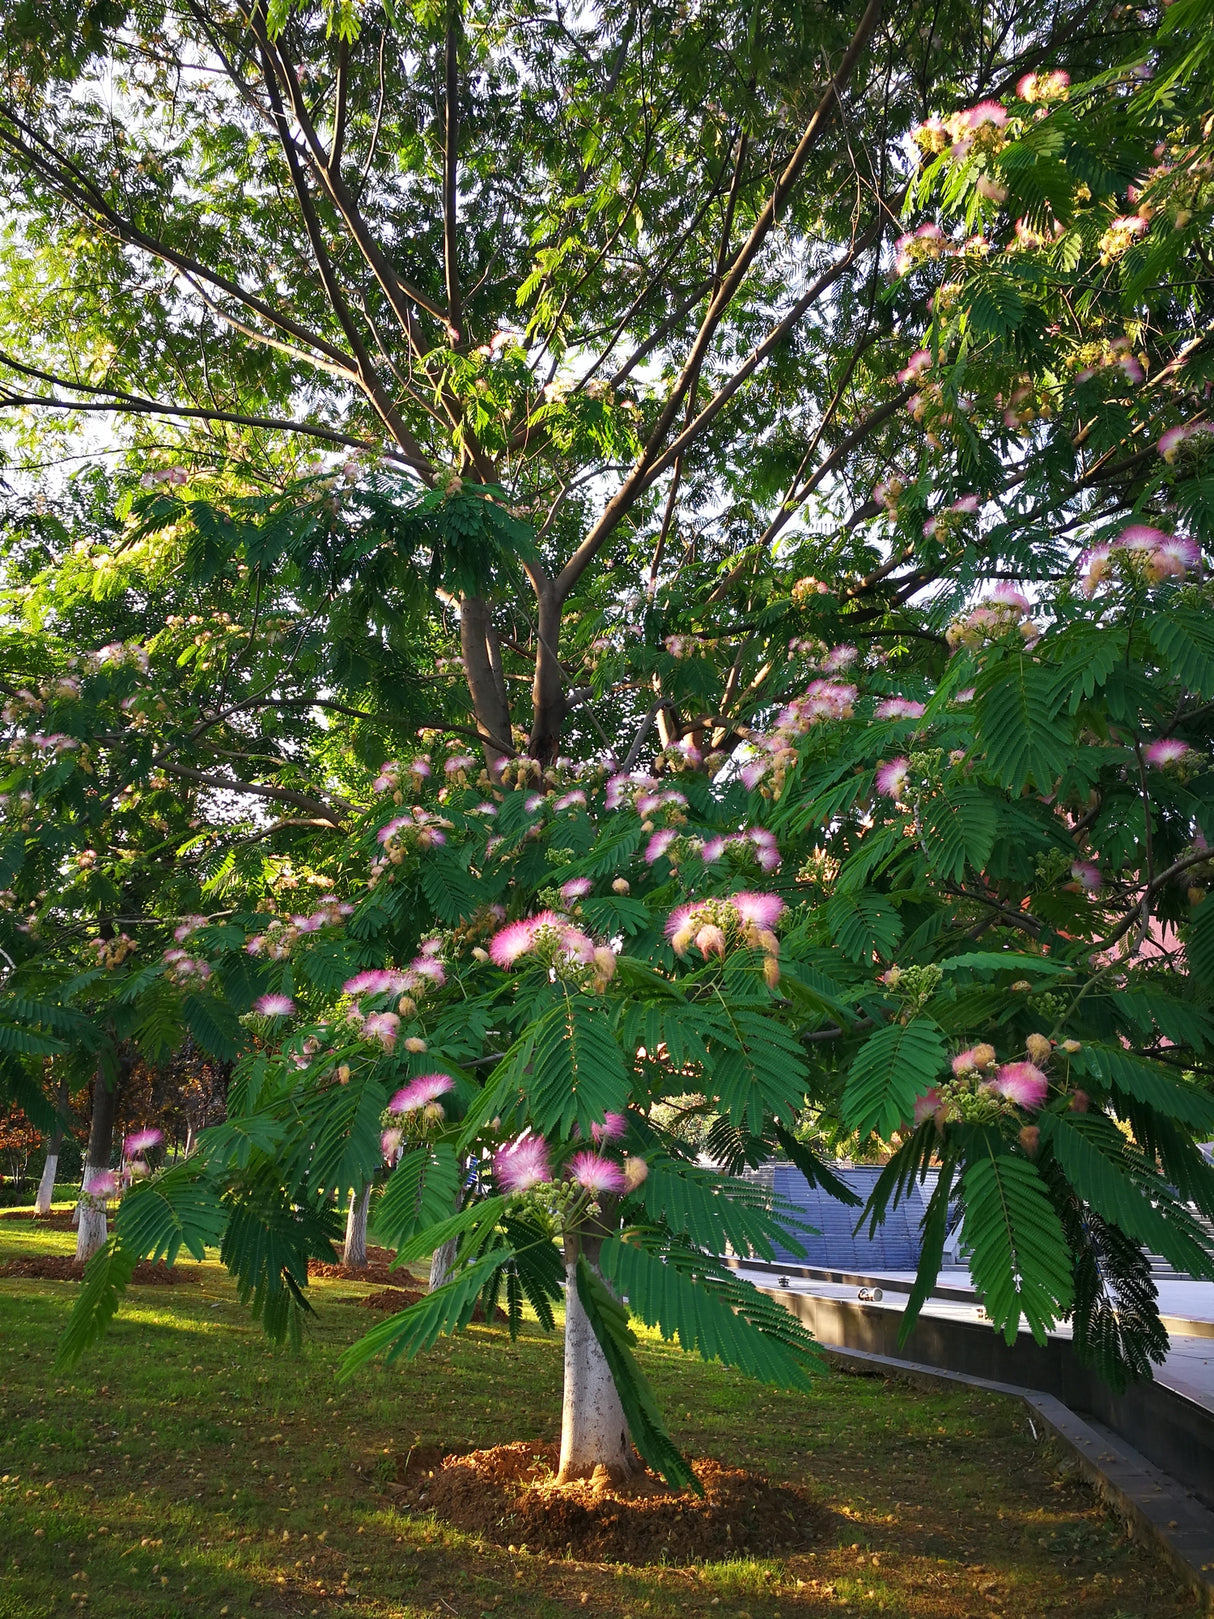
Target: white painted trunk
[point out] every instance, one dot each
(354, 1250)
(46, 1186)
(441, 1262)
(91, 1233)
(594, 1433)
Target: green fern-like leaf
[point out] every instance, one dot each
(1184, 640)
(1128, 1075)
(1125, 1190)
(1018, 1250)
(578, 1071)
(106, 1278)
(1018, 728)
(419, 1327)
(422, 1191)
(710, 1211)
(893, 1068)
(959, 828)
(713, 1312)
(180, 1208)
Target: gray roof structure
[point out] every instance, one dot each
(834, 1243)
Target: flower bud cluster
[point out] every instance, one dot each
(557, 944)
(111, 953)
(714, 926)
(1141, 554)
(184, 969)
(523, 1168)
(822, 701)
(1002, 611)
(404, 835)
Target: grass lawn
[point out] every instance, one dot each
(186, 1467)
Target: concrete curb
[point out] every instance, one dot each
(1153, 1506)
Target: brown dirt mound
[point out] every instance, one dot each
(391, 1298)
(506, 1495)
(399, 1298)
(44, 1222)
(63, 1268)
(378, 1269)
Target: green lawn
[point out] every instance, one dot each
(188, 1468)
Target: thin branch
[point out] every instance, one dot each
(281, 795)
(451, 171)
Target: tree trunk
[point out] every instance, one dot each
(486, 683)
(46, 1186)
(354, 1249)
(594, 1432)
(441, 1261)
(91, 1230)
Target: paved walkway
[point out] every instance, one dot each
(1187, 1308)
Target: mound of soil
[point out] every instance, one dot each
(63, 1268)
(507, 1495)
(391, 1298)
(399, 1298)
(378, 1269)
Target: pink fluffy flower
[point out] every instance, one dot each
(614, 1126)
(919, 362)
(986, 112)
(571, 800)
(1140, 537)
(678, 919)
(516, 938)
(973, 1058)
(659, 843)
(140, 1142)
(713, 850)
(926, 1105)
(1173, 558)
(420, 1092)
(710, 940)
(522, 1164)
(1167, 751)
(892, 777)
(102, 1183)
(764, 910)
(1004, 595)
(753, 771)
(576, 888)
(1022, 1083)
(381, 1026)
(387, 832)
(274, 1005)
(1095, 568)
(595, 1173)
(376, 980)
(1087, 875)
(390, 1144)
(1170, 443)
(900, 708)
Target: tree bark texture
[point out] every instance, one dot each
(441, 1262)
(91, 1230)
(594, 1432)
(354, 1249)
